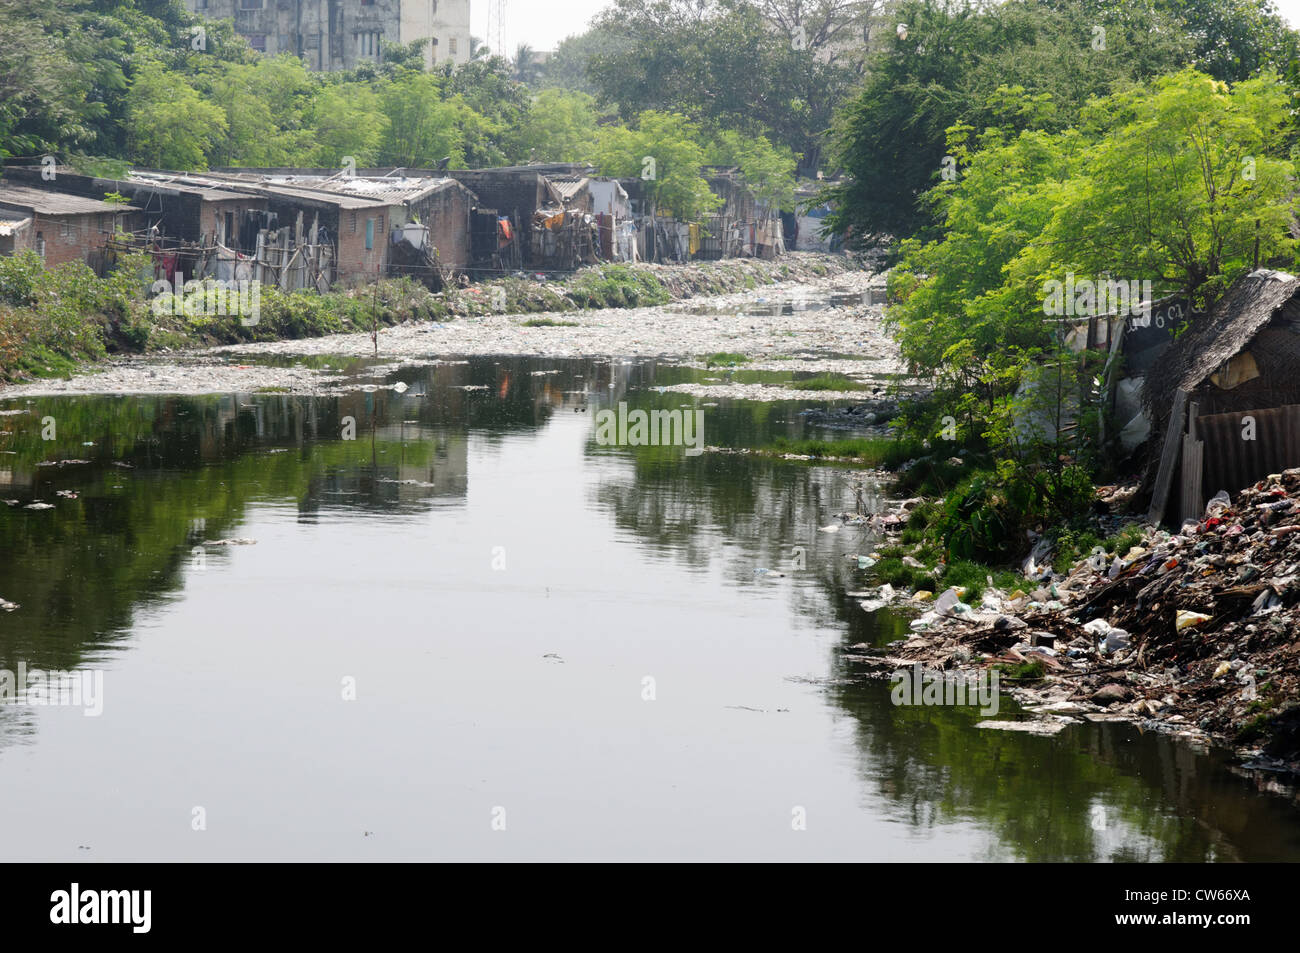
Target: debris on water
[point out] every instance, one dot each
(6, 605)
(772, 573)
(553, 657)
(66, 494)
(833, 528)
(61, 463)
(39, 506)
(1032, 727)
(242, 541)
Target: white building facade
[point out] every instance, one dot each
(343, 34)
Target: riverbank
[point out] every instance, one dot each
(58, 322)
(786, 330)
(1192, 633)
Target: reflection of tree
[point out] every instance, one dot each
(1095, 793)
(166, 473)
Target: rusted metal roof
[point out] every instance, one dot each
(48, 202)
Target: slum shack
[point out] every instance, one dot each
(501, 230)
(743, 226)
(1226, 397)
(57, 226)
(176, 209)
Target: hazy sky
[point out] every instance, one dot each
(543, 23)
(539, 23)
(1290, 9)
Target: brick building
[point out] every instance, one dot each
(58, 227)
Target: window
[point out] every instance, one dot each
(258, 42)
(370, 234)
(451, 46)
(250, 4)
(367, 44)
(352, 225)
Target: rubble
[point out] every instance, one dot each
(1195, 632)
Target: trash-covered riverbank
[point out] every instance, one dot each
(1195, 632)
(817, 337)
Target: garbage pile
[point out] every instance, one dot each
(1194, 631)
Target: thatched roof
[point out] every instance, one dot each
(1222, 334)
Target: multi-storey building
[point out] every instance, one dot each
(342, 34)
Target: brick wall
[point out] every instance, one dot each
(356, 263)
(71, 237)
(446, 213)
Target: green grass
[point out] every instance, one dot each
(1025, 672)
(723, 358)
(1075, 546)
(826, 382)
(548, 323)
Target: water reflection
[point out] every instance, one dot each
(376, 511)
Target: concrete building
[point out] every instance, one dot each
(342, 34)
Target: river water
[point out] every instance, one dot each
(472, 632)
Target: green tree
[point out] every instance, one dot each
(890, 140)
(664, 151)
(1173, 182)
(169, 126)
(769, 170)
(721, 62)
(560, 127)
(346, 119)
(421, 127)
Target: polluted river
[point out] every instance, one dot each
(327, 604)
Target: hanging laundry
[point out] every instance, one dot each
(694, 238)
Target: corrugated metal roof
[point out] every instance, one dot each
(340, 199)
(208, 190)
(357, 192)
(48, 202)
(9, 226)
(568, 185)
